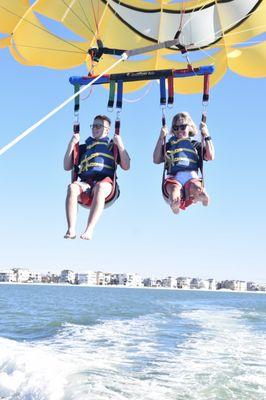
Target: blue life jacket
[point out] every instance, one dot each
(181, 156)
(97, 162)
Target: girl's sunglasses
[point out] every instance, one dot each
(181, 127)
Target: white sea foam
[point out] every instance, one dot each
(140, 359)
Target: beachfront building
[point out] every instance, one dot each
(130, 279)
(50, 277)
(241, 286)
(7, 275)
(67, 276)
(86, 278)
(114, 279)
(234, 285)
(183, 282)
(262, 287)
(169, 282)
(195, 283)
(151, 282)
(35, 277)
(252, 286)
(22, 275)
(203, 284)
(108, 278)
(103, 278)
(212, 284)
(100, 278)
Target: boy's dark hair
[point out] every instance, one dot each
(103, 118)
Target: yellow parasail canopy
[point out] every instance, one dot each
(58, 34)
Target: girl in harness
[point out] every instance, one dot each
(183, 160)
(96, 173)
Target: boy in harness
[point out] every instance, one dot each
(96, 173)
(183, 158)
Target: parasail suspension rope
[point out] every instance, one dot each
(55, 110)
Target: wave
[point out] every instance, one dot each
(192, 355)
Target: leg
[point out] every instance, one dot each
(174, 190)
(204, 198)
(74, 190)
(198, 193)
(100, 191)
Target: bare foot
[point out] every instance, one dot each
(175, 206)
(87, 235)
(204, 198)
(70, 234)
(199, 195)
(205, 201)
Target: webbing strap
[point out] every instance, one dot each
(206, 88)
(170, 81)
(163, 117)
(76, 128)
(111, 95)
(162, 91)
(75, 155)
(117, 132)
(119, 98)
(77, 99)
(205, 100)
(117, 127)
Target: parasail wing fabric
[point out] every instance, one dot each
(58, 34)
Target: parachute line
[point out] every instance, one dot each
(244, 31)
(95, 19)
(55, 110)
(49, 48)
(41, 28)
(69, 9)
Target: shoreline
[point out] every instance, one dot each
(130, 287)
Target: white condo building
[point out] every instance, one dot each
(183, 282)
(35, 277)
(169, 282)
(103, 278)
(234, 285)
(7, 275)
(129, 279)
(151, 282)
(212, 284)
(22, 274)
(86, 278)
(67, 276)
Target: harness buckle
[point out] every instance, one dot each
(118, 112)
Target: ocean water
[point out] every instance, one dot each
(69, 342)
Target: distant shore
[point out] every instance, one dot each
(130, 287)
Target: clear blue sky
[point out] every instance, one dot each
(139, 233)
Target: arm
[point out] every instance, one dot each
(209, 148)
(68, 159)
(158, 154)
(124, 157)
